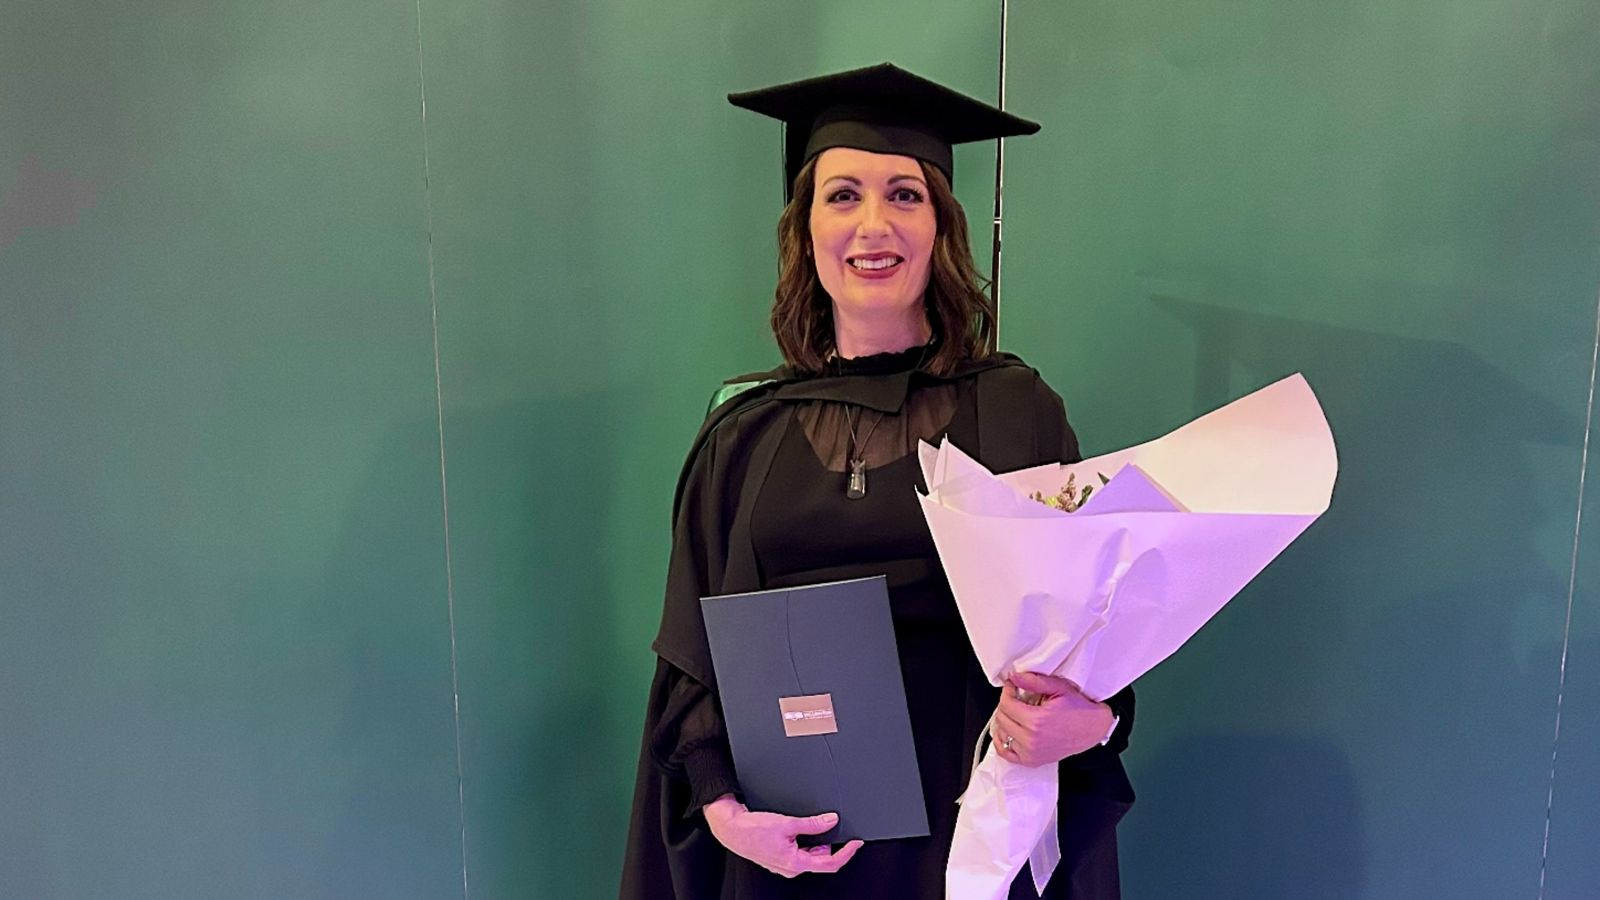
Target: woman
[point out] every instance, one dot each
(807, 474)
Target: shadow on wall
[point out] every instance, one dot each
(1263, 787)
(528, 517)
(1399, 654)
(1574, 867)
(531, 634)
(382, 619)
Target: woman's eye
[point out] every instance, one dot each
(841, 194)
(907, 195)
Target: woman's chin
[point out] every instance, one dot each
(876, 302)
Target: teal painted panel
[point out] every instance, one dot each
(605, 256)
(223, 633)
(1399, 201)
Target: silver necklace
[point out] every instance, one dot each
(856, 484)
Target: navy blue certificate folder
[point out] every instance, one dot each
(815, 706)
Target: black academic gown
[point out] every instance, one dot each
(1008, 419)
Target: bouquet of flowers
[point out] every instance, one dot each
(1103, 584)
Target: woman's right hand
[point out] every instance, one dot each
(768, 839)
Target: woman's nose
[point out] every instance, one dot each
(873, 221)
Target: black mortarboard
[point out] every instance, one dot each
(881, 108)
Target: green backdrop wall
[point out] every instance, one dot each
(338, 432)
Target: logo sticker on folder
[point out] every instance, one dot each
(811, 714)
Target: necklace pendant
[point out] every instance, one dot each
(856, 487)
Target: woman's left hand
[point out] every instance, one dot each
(1064, 723)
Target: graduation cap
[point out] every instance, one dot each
(883, 109)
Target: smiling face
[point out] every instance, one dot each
(872, 230)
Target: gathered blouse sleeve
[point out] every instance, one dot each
(689, 740)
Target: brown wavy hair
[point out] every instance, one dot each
(959, 311)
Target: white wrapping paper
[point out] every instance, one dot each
(1101, 595)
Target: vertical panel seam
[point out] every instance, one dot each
(999, 182)
(1572, 583)
(444, 483)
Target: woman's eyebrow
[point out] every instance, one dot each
(857, 182)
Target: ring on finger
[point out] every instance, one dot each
(1006, 744)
